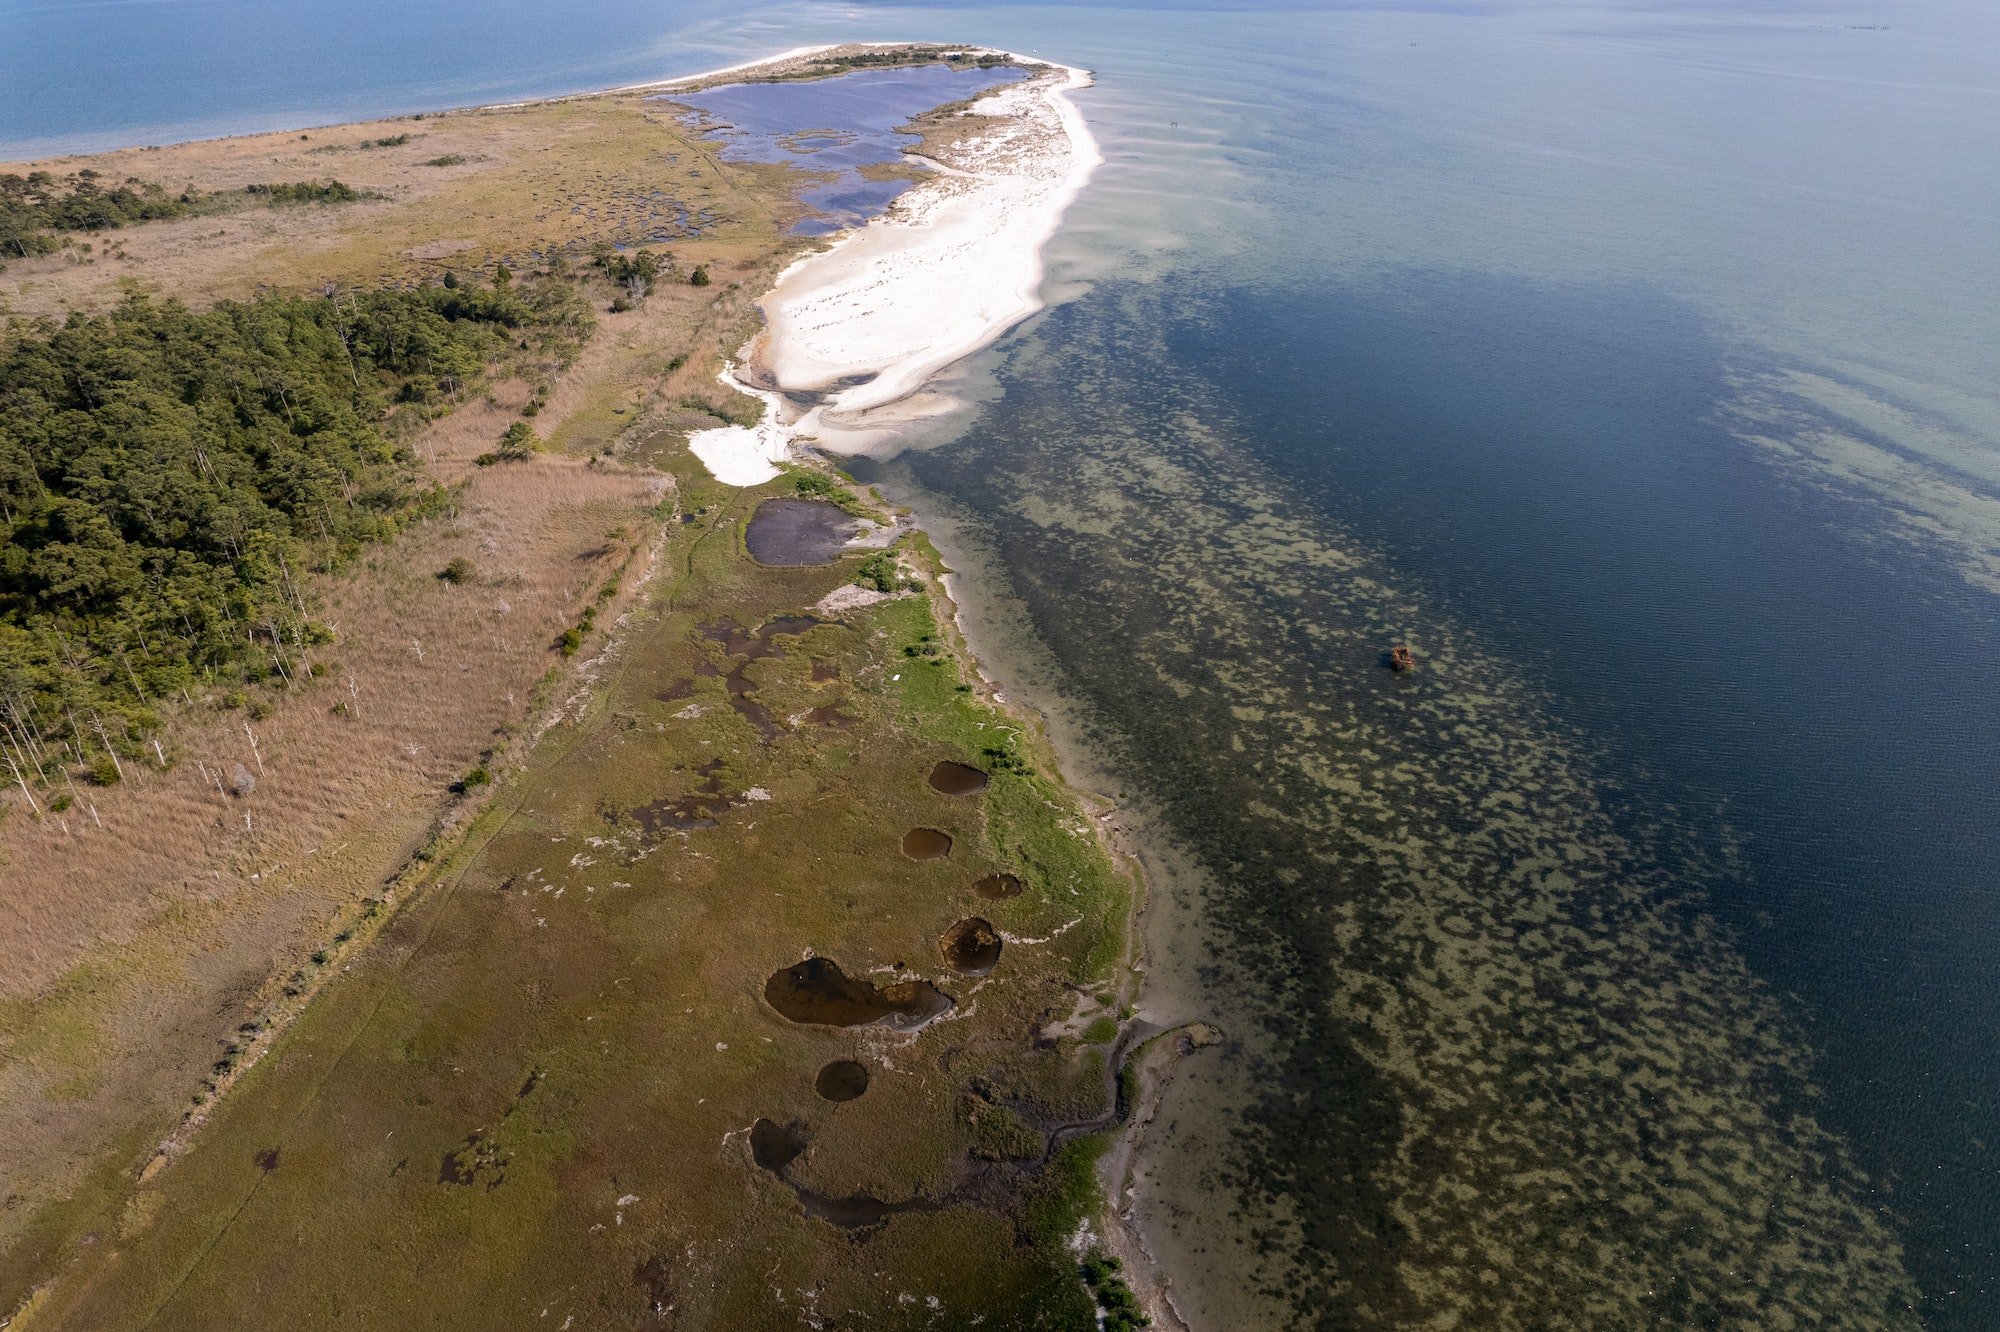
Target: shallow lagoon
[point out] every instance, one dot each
(837, 126)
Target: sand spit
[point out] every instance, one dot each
(865, 324)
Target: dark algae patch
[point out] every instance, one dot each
(1491, 1062)
(818, 991)
(971, 947)
(790, 533)
(774, 1146)
(746, 648)
(702, 809)
(957, 779)
(926, 844)
(842, 1080)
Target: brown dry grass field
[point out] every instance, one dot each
(173, 959)
(141, 927)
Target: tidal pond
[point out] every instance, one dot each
(971, 947)
(842, 1080)
(817, 991)
(926, 844)
(792, 533)
(834, 128)
(957, 779)
(997, 887)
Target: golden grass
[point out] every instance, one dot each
(142, 925)
(538, 180)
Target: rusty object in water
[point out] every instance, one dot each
(1400, 658)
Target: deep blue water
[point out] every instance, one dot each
(788, 122)
(1479, 286)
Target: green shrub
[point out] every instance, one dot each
(459, 570)
(103, 770)
(1118, 1306)
(877, 571)
(38, 203)
(634, 272)
(519, 443)
(304, 191)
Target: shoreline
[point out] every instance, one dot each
(456, 108)
(868, 399)
(1017, 209)
(862, 329)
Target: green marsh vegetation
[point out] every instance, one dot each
(544, 1066)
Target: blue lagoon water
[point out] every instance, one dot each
(835, 127)
(1636, 960)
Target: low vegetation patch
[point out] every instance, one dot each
(518, 445)
(305, 191)
(37, 207)
(40, 211)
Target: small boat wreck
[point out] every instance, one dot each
(1399, 658)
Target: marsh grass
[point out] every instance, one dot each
(618, 977)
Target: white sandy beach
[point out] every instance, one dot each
(954, 264)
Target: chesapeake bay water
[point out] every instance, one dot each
(1636, 960)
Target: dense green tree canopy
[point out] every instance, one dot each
(168, 477)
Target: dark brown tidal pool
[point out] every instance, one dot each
(842, 1080)
(997, 887)
(971, 947)
(957, 779)
(817, 991)
(926, 844)
(791, 533)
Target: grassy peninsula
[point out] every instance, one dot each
(461, 894)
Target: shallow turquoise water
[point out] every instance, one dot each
(1630, 360)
